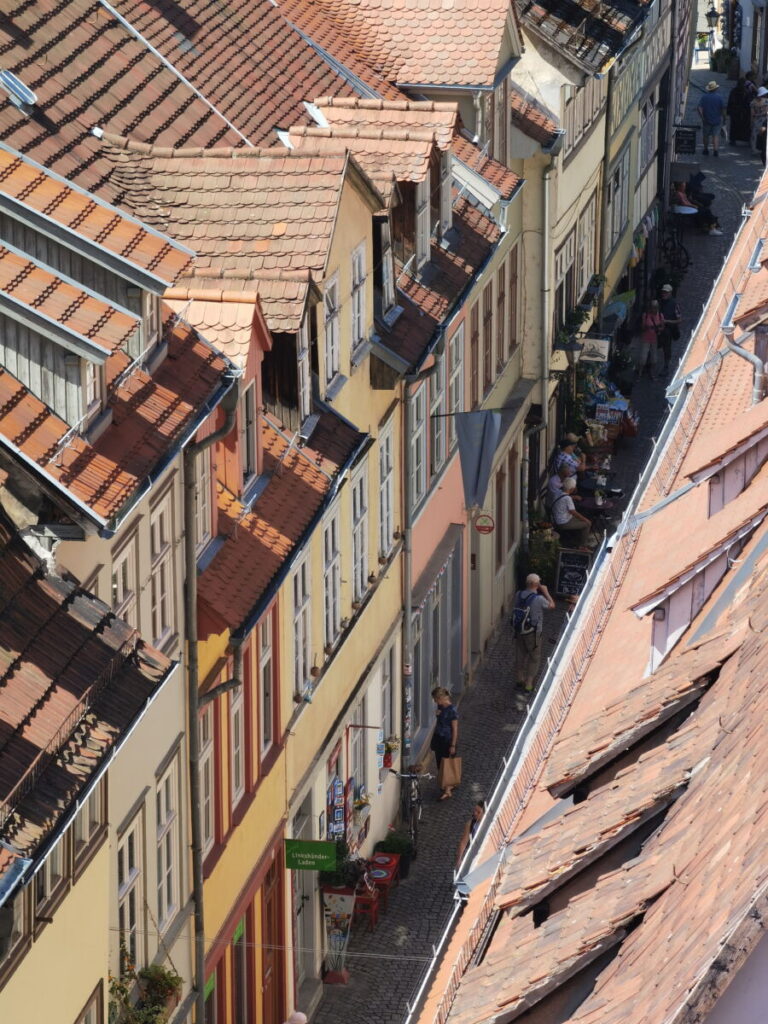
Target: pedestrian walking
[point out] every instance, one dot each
(711, 109)
(469, 829)
(445, 736)
(528, 623)
(652, 326)
(671, 312)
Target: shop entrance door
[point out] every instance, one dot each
(272, 972)
(304, 902)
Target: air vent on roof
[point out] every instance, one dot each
(21, 96)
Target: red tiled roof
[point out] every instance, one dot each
(81, 312)
(73, 677)
(531, 118)
(88, 70)
(41, 190)
(282, 293)
(401, 114)
(506, 182)
(243, 56)
(149, 416)
(259, 541)
(228, 326)
(434, 42)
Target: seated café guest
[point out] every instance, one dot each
(570, 524)
(705, 218)
(567, 456)
(758, 110)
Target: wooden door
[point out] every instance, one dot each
(272, 969)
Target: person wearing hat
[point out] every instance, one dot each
(759, 114)
(670, 310)
(711, 109)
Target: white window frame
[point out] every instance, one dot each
(647, 141)
(617, 199)
(455, 381)
(359, 500)
(418, 443)
(302, 627)
(125, 582)
(386, 490)
(423, 226)
(130, 890)
(145, 305)
(267, 688)
(332, 579)
(163, 578)
(91, 1012)
(18, 923)
(358, 747)
(168, 859)
(207, 768)
(249, 450)
(51, 875)
(93, 388)
(446, 197)
(437, 424)
(331, 308)
(359, 316)
(303, 370)
(565, 279)
(203, 500)
(388, 299)
(236, 746)
(88, 821)
(388, 692)
(585, 245)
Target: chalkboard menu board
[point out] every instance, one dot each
(685, 140)
(572, 572)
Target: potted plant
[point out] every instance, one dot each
(348, 872)
(397, 841)
(391, 746)
(160, 986)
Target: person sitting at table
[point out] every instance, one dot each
(684, 204)
(555, 486)
(566, 456)
(569, 523)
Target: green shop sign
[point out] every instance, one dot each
(310, 855)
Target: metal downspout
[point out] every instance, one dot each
(229, 404)
(758, 390)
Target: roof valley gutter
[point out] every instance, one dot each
(282, 573)
(92, 783)
(171, 67)
(365, 91)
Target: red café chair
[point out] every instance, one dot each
(367, 902)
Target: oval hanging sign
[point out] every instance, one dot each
(484, 522)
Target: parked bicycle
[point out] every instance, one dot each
(671, 244)
(410, 801)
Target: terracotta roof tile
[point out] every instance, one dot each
(506, 182)
(403, 114)
(149, 417)
(88, 70)
(74, 678)
(260, 540)
(282, 293)
(81, 312)
(530, 117)
(65, 204)
(753, 304)
(430, 43)
(228, 326)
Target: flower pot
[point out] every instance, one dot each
(387, 760)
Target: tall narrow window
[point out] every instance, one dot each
(124, 585)
(512, 330)
(241, 989)
(162, 583)
(501, 316)
(386, 490)
(422, 222)
(93, 387)
(565, 281)
(248, 426)
(302, 628)
(358, 746)
(331, 308)
(488, 361)
(203, 500)
(92, 1011)
(512, 498)
(437, 417)
(360, 533)
(359, 317)
(207, 777)
(305, 380)
(89, 821)
(130, 896)
(455, 381)
(236, 745)
(419, 446)
(266, 684)
(51, 875)
(387, 270)
(168, 845)
(501, 511)
(388, 715)
(446, 197)
(474, 346)
(332, 580)
(585, 257)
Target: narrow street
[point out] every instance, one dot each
(386, 965)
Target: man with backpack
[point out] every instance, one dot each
(527, 625)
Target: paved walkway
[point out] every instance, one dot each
(386, 966)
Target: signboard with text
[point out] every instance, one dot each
(310, 855)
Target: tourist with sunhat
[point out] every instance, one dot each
(711, 109)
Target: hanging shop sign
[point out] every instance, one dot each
(310, 855)
(484, 522)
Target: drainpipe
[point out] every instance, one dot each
(477, 99)
(229, 405)
(410, 379)
(758, 389)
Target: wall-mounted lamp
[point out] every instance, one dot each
(712, 16)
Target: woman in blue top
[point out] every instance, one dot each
(446, 734)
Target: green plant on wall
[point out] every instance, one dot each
(158, 988)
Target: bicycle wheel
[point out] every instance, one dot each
(413, 828)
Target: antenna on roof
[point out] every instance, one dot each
(21, 96)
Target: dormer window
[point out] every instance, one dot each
(359, 317)
(305, 381)
(385, 307)
(422, 223)
(93, 389)
(248, 424)
(147, 306)
(332, 343)
(446, 199)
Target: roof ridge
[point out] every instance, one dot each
(221, 152)
(345, 132)
(358, 103)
